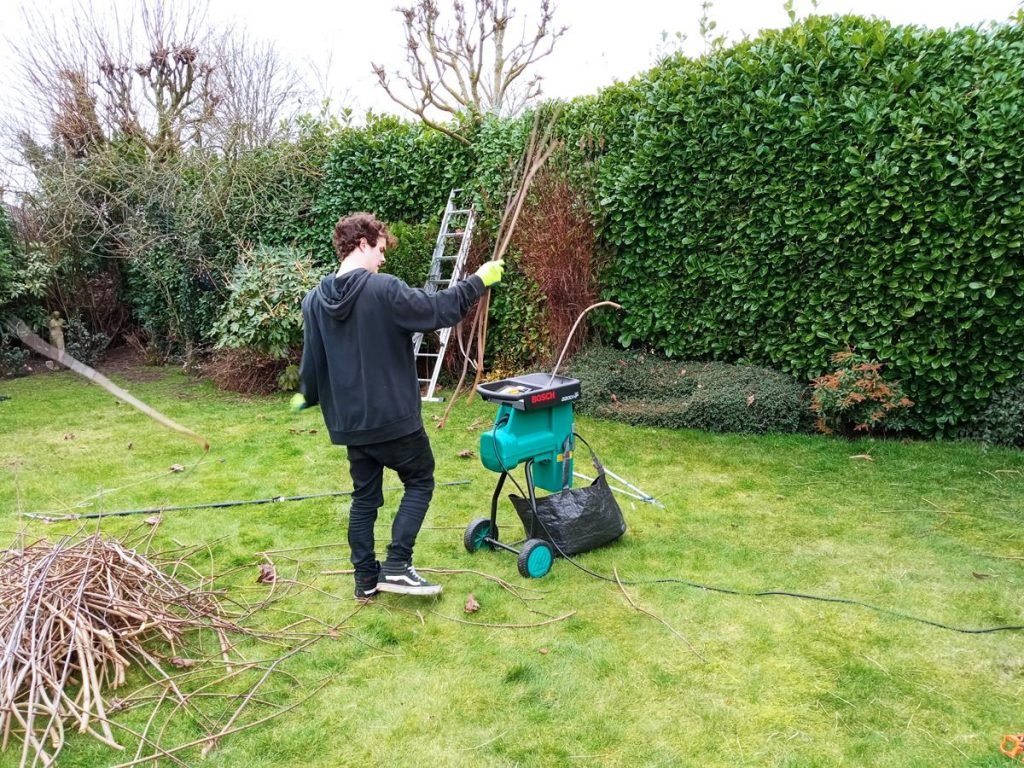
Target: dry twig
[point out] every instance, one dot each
(655, 616)
(539, 149)
(76, 615)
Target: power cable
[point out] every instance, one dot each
(210, 505)
(759, 593)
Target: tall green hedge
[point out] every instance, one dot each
(841, 182)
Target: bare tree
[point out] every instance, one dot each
(258, 95)
(164, 77)
(187, 95)
(473, 66)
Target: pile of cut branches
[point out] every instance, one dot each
(73, 617)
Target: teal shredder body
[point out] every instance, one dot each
(544, 435)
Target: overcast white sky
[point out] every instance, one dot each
(606, 40)
(332, 42)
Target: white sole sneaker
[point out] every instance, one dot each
(408, 589)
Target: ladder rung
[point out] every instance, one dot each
(428, 354)
(460, 210)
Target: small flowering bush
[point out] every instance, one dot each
(855, 398)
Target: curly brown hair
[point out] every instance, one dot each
(351, 229)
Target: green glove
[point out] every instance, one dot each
(298, 403)
(490, 272)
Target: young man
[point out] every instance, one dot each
(358, 365)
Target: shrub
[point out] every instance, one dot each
(556, 239)
(81, 343)
(642, 388)
(1002, 420)
(410, 260)
(173, 303)
(247, 371)
(12, 358)
(856, 398)
(264, 309)
(7, 252)
(840, 181)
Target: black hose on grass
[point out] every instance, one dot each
(209, 505)
(774, 592)
(798, 595)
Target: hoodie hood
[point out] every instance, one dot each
(338, 294)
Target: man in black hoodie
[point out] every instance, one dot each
(358, 365)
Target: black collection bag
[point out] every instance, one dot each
(574, 520)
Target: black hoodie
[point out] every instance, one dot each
(357, 356)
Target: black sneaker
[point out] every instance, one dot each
(366, 586)
(365, 594)
(402, 579)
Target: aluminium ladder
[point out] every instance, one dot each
(446, 267)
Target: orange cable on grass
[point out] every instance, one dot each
(1013, 746)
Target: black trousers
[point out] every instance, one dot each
(412, 459)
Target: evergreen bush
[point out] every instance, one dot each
(644, 388)
(82, 343)
(1002, 420)
(857, 398)
(12, 358)
(841, 182)
(410, 259)
(264, 310)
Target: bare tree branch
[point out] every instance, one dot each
(163, 76)
(472, 65)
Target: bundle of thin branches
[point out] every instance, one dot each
(73, 617)
(539, 148)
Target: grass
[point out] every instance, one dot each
(927, 529)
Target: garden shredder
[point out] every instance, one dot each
(534, 427)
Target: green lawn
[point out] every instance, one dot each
(695, 678)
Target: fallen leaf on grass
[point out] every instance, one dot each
(864, 456)
(154, 520)
(466, 454)
(69, 435)
(176, 468)
(180, 663)
(543, 651)
(977, 575)
(750, 400)
(472, 606)
(267, 574)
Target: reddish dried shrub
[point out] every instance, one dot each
(556, 238)
(244, 370)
